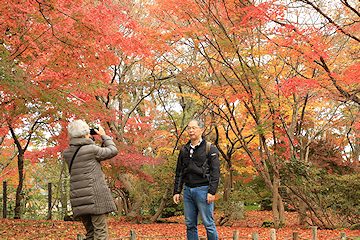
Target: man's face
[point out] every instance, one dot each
(194, 130)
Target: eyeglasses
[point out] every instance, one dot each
(191, 128)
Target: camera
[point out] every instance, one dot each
(92, 131)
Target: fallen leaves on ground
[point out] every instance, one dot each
(172, 227)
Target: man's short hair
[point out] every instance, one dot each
(199, 123)
(78, 129)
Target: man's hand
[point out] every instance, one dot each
(210, 198)
(176, 198)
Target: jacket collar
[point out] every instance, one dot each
(203, 141)
(198, 144)
(80, 141)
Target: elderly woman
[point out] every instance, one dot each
(89, 194)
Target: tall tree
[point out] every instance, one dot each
(56, 57)
(230, 77)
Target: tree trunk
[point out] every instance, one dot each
(302, 212)
(275, 211)
(136, 201)
(278, 206)
(135, 209)
(161, 207)
(226, 187)
(18, 212)
(281, 210)
(124, 204)
(120, 206)
(228, 182)
(356, 151)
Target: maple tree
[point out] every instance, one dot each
(88, 91)
(232, 79)
(22, 118)
(319, 52)
(327, 45)
(61, 52)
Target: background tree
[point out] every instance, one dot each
(232, 82)
(51, 51)
(270, 93)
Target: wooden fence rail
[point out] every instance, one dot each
(254, 236)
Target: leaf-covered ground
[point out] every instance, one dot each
(42, 229)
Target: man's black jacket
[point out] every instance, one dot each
(189, 170)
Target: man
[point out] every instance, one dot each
(89, 194)
(201, 183)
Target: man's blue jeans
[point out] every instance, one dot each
(194, 203)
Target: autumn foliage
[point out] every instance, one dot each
(276, 83)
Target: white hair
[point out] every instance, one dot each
(78, 129)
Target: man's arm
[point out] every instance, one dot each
(214, 165)
(178, 179)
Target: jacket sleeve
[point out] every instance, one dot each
(179, 181)
(108, 150)
(214, 165)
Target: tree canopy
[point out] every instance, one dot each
(276, 83)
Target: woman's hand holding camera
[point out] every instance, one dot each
(101, 131)
(97, 131)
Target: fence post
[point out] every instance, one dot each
(80, 236)
(255, 236)
(49, 201)
(273, 234)
(342, 236)
(132, 234)
(4, 199)
(314, 228)
(236, 235)
(296, 235)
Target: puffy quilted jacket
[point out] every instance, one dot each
(89, 193)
